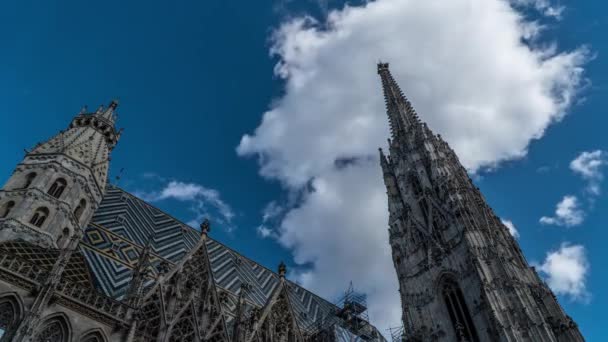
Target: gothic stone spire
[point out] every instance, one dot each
(54, 191)
(402, 116)
(108, 113)
(462, 276)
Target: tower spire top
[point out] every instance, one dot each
(402, 116)
(108, 112)
(433, 207)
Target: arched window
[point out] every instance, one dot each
(8, 317)
(29, 179)
(6, 209)
(54, 330)
(459, 313)
(65, 236)
(80, 209)
(39, 217)
(94, 336)
(415, 184)
(57, 188)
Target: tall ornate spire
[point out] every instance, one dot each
(401, 114)
(140, 273)
(462, 276)
(108, 113)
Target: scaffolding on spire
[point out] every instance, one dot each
(396, 334)
(348, 322)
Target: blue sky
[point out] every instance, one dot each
(194, 78)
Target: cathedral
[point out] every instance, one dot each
(462, 276)
(83, 260)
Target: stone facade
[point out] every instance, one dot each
(54, 191)
(82, 260)
(462, 276)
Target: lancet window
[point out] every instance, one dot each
(80, 209)
(6, 209)
(65, 236)
(93, 337)
(53, 331)
(29, 179)
(459, 313)
(8, 316)
(39, 217)
(57, 188)
(415, 184)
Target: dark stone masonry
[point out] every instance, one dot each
(83, 260)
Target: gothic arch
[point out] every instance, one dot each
(277, 318)
(415, 184)
(29, 179)
(40, 215)
(93, 335)
(6, 208)
(11, 311)
(65, 236)
(55, 328)
(82, 205)
(58, 187)
(455, 304)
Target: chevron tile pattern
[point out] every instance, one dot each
(343, 335)
(122, 226)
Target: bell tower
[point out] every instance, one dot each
(52, 194)
(462, 276)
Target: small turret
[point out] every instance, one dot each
(282, 269)
(108, 113)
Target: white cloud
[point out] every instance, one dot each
(200, 198)
(342, 229)
(270, 216)
(272, 211)
(266, 232)
(589, 166)
(466, 70)
(543, 6)
(567, 269)
(511, 228)
(567, 213)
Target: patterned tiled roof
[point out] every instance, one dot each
(122, 226)
(76, 271)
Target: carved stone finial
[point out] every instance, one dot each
(114, 104)
(382, 67)
(205, 227)
(282, 269)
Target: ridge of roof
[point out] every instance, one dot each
(274, 273)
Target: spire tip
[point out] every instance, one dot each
(382, 67)
(282, 269)
(113, 104)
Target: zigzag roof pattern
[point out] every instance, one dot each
(121, 227)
